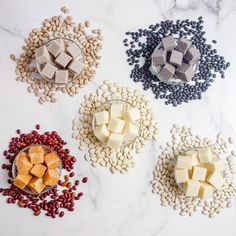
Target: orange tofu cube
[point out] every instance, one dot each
(38, 170)
(22, 180)
(36, 154)
(23, 164)
(51, 160)
(37, 185)
(51, 177)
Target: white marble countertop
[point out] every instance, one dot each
(115, 205)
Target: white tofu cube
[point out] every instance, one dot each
(63, 59)
(205, 155)
(183, 162)
(102, 117)
(194, 157)
(215, 179)
(116, 110)
(115, 140)
(41, 55)
(55, 48)
(132, 115)
(206, 191)
(76, 66)
(116, 125)
(61, 76)
(217, 164)
(199, 173)
(181, 176)
(102, 133)
(191, 188)
(130, 131)
(48, 70)
(73, 50)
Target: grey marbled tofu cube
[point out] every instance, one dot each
(76, 66)
(168, 43)
(192, 55)
(185, 72)
(176, 58)
(63, 59)
(48, 70)
(41, 55)
(55, 48)
(183, 45)
(61, 76)
(167, 72)
(159, 57)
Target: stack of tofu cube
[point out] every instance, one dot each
(59, 60)
(36, 169)
(117, 124)
(175, 60)
(200, 172)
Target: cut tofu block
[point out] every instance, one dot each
(176, 58)
(181, 175)
(194, 157)
(215, 179)
(55, 48)
(183, 162)
(73, 50)
(168, 43)
(199, 173)
(205, 155)
(51, 160)
(51, 177)
(62, 76)
(116, 125)
(22, 180)
(191, 188)
(23, 164)
(102, 133)
(102, 117)
(217, 164)
(36, 154)
(206, 191)
(130, 131)
(38, 170)
(116, 110)
(41, 55)
(76, 66)
(132, 115)
(159, 57)
(48, 70)
(63, 59)
(115, 140)
(37, 185)
(167, 72)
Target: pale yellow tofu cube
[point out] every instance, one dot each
(116, 110)
(115, 140)
(116, 125)
(191, 188)
(217, 164)
(102, 117)
(194, 157)
(205, 155)
(181, 175)
(183, 162)
(199, 173)
(130, 131)
(206, 191)
(102, 133)
(215, 179)
(132, 115)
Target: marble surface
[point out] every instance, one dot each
(115, 205)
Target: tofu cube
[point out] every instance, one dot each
(206, 191)
(215, 179)
(48, 71)
(130, 131)
(73, 50)
(191, 188)
(116, 125)
(51, 177)
(168, 43)
(181, 175)
(176, 58)
(36, 154)
(192, 55)
(217, 164)
(159, 57)
(62, 76)
(38, 170)
(63, 59)
(183, 162)
(36, 185)
(102, 117)
(23, 164)
(116, 110)
(55, 48)
(194, 157)
(115, 140)
(167, 72)
(102, 133)
(132, 115)
(41, 55)
(52, 160)
(205, 155)
(22, 180)
(199, 173)
(183, 45)
(185, 72)
(76, 66)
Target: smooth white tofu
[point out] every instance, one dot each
(183, 162)
(102, 133)
(102, 117)
(217, 164)
(205, 155)
(116, 110)
(73, 50)
(191, 188)
(199, 173)
(215, 179)
(130, 131)
(194, 157)
(206, 191)
(41, 55)
(48, 70)
(181, 176)
(55, 48)
(115, 140)
(132, 115)
(116, 125)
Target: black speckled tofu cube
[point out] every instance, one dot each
(167, 72)
(176, 58)
(185, 72)
(192, 55)
(159, 57)
(168, 43)
(183, 45)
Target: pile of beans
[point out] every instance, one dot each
(142, 43)
(164, 184)
(58, 26)
(121, 159)
(55, 201)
